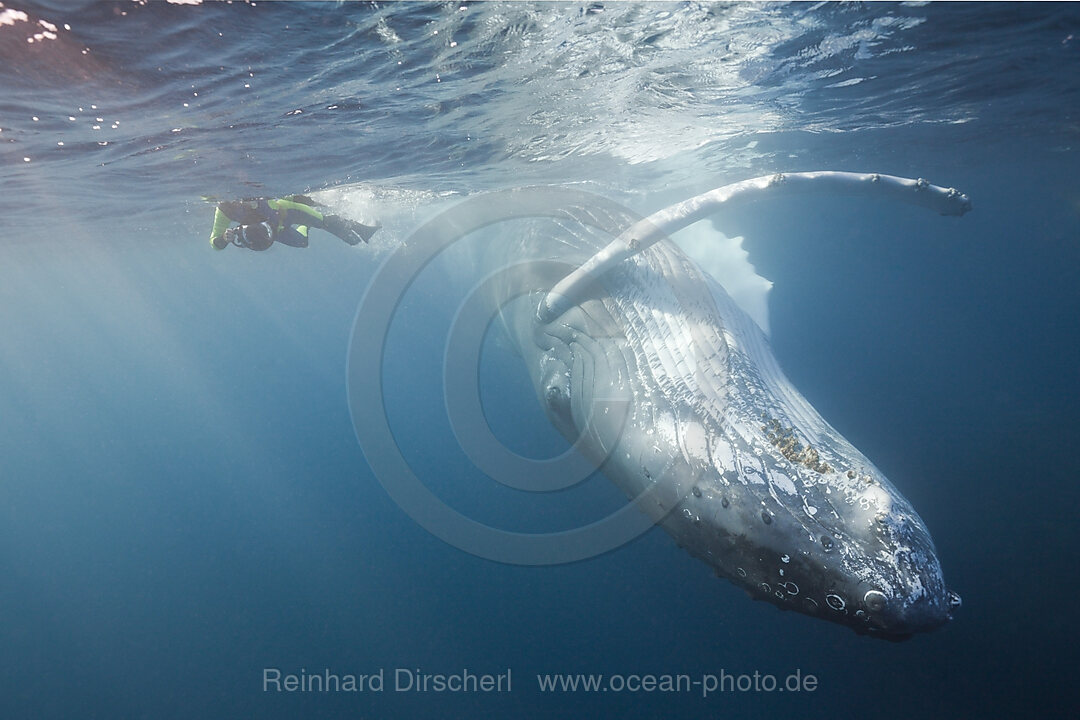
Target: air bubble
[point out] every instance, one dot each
(875, 600)
(954, 601)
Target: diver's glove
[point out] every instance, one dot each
(219, 242)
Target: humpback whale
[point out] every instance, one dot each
(646, 364)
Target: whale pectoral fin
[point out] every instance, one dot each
(644, 233)
(727, 262)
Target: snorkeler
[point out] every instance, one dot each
(262, 222)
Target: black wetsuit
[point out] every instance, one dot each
(279, 216)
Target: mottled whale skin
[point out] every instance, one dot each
(733, 462)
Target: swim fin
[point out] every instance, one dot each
(350, 231)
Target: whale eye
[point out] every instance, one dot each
(557, 402)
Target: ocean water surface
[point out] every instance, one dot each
(184, 501)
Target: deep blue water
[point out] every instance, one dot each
(185, 503)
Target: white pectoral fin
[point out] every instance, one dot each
(568, 291)
(725, 259)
